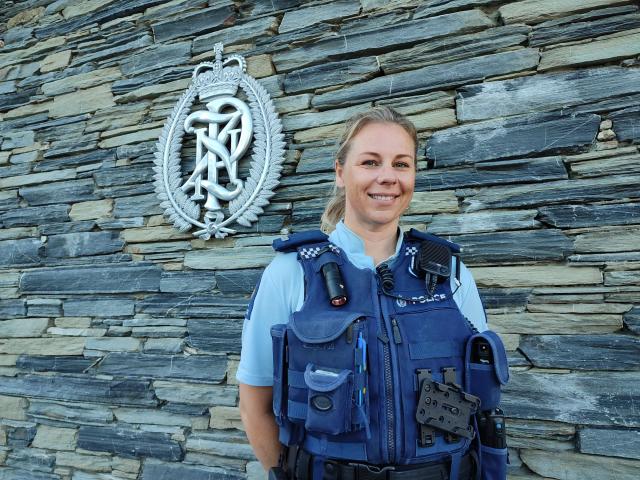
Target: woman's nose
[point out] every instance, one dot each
(387, 174)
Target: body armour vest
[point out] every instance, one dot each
(349, 379)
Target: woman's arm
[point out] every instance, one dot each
(259, 423)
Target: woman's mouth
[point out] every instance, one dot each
(384, 198)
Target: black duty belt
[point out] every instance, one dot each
(345, 470)
(359, 471)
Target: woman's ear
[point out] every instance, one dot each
(339, 170)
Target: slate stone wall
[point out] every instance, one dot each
(119, 336)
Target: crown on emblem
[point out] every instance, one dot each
(218, 79)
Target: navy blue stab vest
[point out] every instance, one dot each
(339, 402)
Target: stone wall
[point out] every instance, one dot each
(119, 336)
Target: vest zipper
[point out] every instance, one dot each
(388, 385)
(397, 336)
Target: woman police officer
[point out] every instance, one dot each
(373, 373)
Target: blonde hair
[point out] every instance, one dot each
(334, 211)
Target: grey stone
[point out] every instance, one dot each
(83, 243)
(215, 336)
(589, 398)
(579, 216)
(305, 121)
(264, 7)
(512, 137)
(334, 73)
(303, 192)
(188, 282)
(64, 227)
(550, 33)
(82, 389)
(121, 223)
(158, 332)
(530, 245)
(195, 367)
(457, 47)
(126, 190)
(315, 160)
(156, 57)
(544, 92)
(169, 74)
(15, 474)
(137, 206)
(614, 442)
(583, 352)
(430, 8)
(303, 17)
(34, 215)
(44, 307)
(13, 308)
(21, 252)
(430, 78)
(89, 413)
(129, 443)
(168, 471)
(86, 143)
(123, 175)
(14, 171)
(138, 277)
(19, 139)
(561, 191)
(236, 282)
(21, 436)
(379, 40)
(626, 124)
(64, 364)
(98, 307)
(240, 33)
(214, 445)
(164, 345)
(10, 101)
(202, 21)
(490, 221)
(502, 172)
(154, 322)
(631, 320)
(193, 306)
(196, 393)
(70, 191)
(101, 15)
(94, 156)
(31, 459)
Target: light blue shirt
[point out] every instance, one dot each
(281, 293)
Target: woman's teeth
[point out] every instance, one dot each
(382, 197)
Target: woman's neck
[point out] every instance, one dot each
(379, 243)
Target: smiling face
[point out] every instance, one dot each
(378, 176)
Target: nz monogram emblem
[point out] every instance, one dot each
(208, 192)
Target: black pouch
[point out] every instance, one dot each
(279, 339)
(484, 380)
(329, 400)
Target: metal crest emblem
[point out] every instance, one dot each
(223, 132)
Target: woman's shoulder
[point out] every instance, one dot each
(283, 268)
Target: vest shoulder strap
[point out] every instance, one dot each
(292, 242)
(419, 236)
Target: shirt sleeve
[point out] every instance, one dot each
(468, 299)
(279, 293)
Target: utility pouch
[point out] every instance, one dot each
(279, 339)
(493, 463)
(329, 400)
(446, 408)
(487, 368)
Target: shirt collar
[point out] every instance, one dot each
(353, 246)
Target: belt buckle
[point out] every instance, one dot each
(373, 472)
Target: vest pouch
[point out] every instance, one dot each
(486, 371)
(279, 337)
(329, 400)
(493, 463)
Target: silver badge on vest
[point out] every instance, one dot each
(235, 134)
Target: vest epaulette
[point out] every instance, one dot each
(422, 236)
(295, 240)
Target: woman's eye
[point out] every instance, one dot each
(402, 165)
(369, 163)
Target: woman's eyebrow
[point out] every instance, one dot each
(375, 154)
